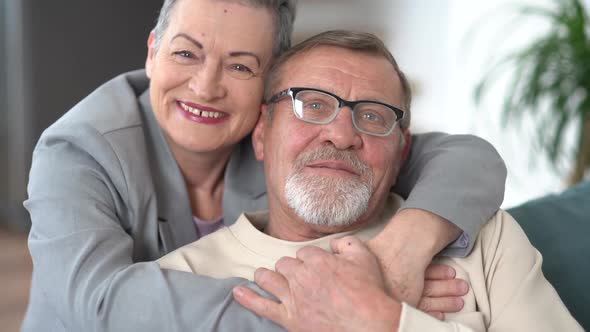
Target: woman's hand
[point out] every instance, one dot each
(404, 250)
(442, 291)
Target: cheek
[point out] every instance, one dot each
(288, 140)
(165, 79)
(386, 162)
(298, 135)
(247, 99)
(252, 88)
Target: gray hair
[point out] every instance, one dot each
(356, 41)
(283, 12)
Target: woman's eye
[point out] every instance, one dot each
(241, 68)
(183, 55)
(240, 71)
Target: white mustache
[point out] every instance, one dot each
(330, 153)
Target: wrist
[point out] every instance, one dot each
(421, 233)
(386, 316)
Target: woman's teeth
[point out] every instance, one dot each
(198, 112)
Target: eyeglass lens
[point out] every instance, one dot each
(321, 108)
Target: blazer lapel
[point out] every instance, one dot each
(175, 221)
(244, 183)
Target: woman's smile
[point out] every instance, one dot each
(202, 114)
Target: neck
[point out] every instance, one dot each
(203, 170)
(203, 174)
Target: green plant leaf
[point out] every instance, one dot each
(549, 78)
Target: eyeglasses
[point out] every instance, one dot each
(321, 107)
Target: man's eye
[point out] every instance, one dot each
(372, 117)
(316, 106)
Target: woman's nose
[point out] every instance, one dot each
(207, 82)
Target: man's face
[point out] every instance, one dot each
(201, 90)
(330, 175)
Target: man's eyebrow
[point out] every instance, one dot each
(191, 39)
(246, 53)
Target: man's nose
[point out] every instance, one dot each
(206, 82)
(341, 131)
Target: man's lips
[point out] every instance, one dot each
(202, 111)
(333, 165)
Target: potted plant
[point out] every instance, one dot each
(551, 81)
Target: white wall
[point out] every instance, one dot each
(529, 173)
(430, 40)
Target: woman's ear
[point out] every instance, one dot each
(149, 61)
(258, 133)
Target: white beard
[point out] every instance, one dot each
(326, 200)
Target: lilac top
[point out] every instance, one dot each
(205, 227)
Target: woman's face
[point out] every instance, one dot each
(206, 77)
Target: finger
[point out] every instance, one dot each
(272, 282)
(437, 314)
(452, 287)
(286, 265)
(443, 304)
(347, 244)
(438, 271)
(259, 305)
(310, 253)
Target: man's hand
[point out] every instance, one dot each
(320, 291)
(406, 247)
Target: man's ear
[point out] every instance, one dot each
(258, 133)
(408, 146)
(149, 61)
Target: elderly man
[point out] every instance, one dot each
(332, 128)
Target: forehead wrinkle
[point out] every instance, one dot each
(341, 78)
(218, 21)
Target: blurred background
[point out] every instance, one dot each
(53, 53)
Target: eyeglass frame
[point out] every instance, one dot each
(293, 91)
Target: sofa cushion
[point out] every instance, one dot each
(559, 227)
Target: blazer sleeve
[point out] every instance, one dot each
(458, 177)
(84, 272)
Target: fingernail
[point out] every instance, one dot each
(460, 303)
(438, 315)
(464, 287)
(238, 291)
(451, 272)
(258, 273)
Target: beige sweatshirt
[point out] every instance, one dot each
(508, 290)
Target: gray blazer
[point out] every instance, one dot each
(106, 199)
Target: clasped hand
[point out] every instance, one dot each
(344, 290)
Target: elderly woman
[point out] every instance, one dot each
(143, 166)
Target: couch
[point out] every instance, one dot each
(559, 227)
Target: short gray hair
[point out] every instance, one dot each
(351, 40)
(283, 12)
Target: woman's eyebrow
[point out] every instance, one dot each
(245, 53)
(232, 54)
(189, 38)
